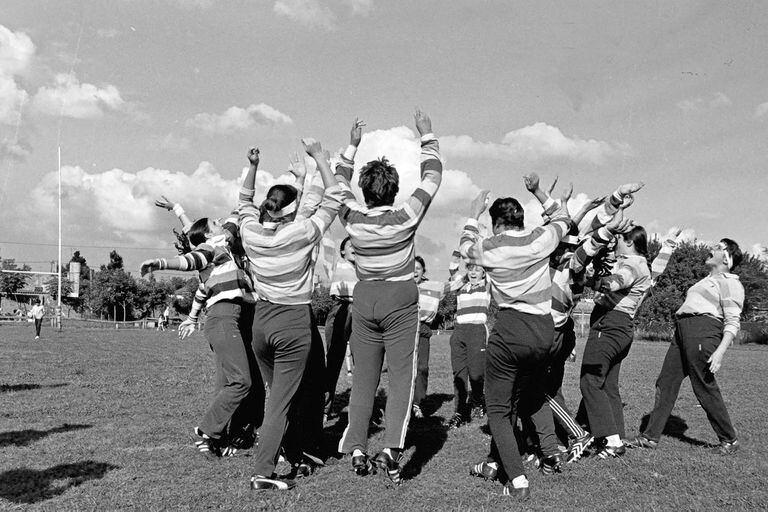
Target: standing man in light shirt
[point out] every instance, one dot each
(37, 313)
(705, 326)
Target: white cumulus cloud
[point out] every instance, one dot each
(16, 52)
(13, 150)
(532, 143)
(71, 98)
(310, 13)
(761, 110)
(238, 118)
(701, 103)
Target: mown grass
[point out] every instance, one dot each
(101, 420)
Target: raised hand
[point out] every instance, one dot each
(186, 328)
(423, 122)
(618, 224)
(566, 195)
(480, 203)
(627, 201)
(531, 182)
(312, 147)
(630, 188)
(297, 166)
(356, 133)
(164, 202)
(253, 156)
(552, 187)
(148, 266)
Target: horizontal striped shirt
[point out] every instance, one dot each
(383, 236)
(343, 280)
(517, 262)
(432, 292)
(282, 259)
(625, 289)
(220, 272)
(720, 296)
(473, 302)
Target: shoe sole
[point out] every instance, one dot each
(577, 454)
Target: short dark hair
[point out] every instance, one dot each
(507, 211)
(278, 197)
(379, 182)
(733, 251)
(639, 239)
(197, 231)
(343, 246)
(421, 262)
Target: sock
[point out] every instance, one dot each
(357, 452)
(520, 482)
(494, 465)
(613, 441)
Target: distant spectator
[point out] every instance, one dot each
(37, 313)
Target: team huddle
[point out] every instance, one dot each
(256, 270)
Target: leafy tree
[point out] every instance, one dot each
(753, 274)
(11, 283)
(113, 289)
(321, 303)
(183, 297)
(115, 261)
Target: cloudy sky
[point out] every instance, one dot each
(150, 97)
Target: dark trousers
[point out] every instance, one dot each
(696, 338)
(562, 347)
(289, 351)
(338, 328)
(468, 343)
(239, 395)
(385, 322)
(516, 360)
(609, 341)
(422, 364)
(38, 326)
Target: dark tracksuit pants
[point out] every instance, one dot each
(338, 329)
(289, 351)
(562, 347)
(468, 363)
(385, 322)
(239, 398)
(516, 360)
(38, 326)
(696, 338)
(608, 343)
(422, 364)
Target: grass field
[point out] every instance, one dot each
(101, 420)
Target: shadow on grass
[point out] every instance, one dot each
(433, 402)
(33, 485)
(675, 428)
(25, 437)
(428, 436)
(8, 388)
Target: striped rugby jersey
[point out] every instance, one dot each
(383, 236)
(625, 289)
(343, 280)
(432, 292)
(517, 262)
(720, 296)
(473, 302)
(282, 259)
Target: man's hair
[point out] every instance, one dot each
(197, 231)
(343, 246)
(639, 239)
(278, 197)
(379, 182)
(421, 262)
(507, 211)
(733, 251)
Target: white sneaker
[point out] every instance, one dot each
(37, 337)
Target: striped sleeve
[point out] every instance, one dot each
(198, 303)
(659, 264)
(431, 177)
(311, 197)
(604, 214)
(622, 278)
(198, 259)
(328, 209)
(586, 251)
(344, 170)
(248, 213)
(732, 303)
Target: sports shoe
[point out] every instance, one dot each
(245, 439)
(37, 337)
(607, 452)
(577, 447)
(478, 412)
(521, 493)
(727, 447)
(456, 421)
(551, 464)
(362, 465)
(416, 412)
(271, 483)
(484, 470)
(392, 466)
(207, 446)
(641, 441)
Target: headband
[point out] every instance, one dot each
(279, 214)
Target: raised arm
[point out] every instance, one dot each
(248, 213)
(176, 208)
(346, 166)
(198, 259)
(333, 195)
(431, 166)
(659, 264)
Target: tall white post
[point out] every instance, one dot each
(58, 295)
